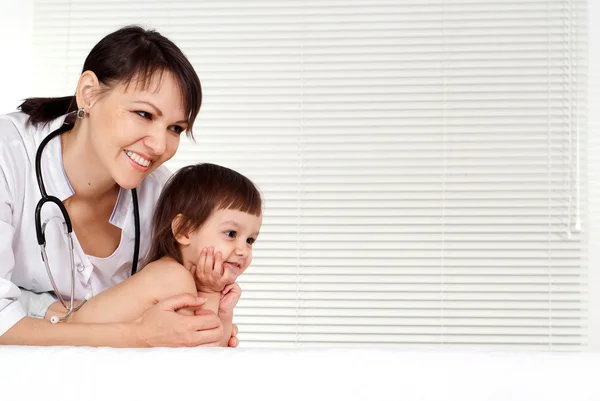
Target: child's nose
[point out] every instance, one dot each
(241, 249)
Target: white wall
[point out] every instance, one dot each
(16, 34)
(594, 163)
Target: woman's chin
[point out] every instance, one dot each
(130, 182)
(129, 175)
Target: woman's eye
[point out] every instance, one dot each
(230, 234)
(177, 129)
(144, 114)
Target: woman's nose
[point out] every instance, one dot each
(157, 142)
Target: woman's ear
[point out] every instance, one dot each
(181, 236)
(87, 89)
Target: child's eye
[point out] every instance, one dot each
(251, 241)
(230, 234)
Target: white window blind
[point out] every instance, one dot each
(420, 160)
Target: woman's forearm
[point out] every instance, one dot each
(38, 332)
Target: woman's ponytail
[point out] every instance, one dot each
(46, 109)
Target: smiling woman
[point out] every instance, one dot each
(133, 129)
(136, 95)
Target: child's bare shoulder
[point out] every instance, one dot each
(166, 267)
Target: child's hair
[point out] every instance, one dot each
(195, 192)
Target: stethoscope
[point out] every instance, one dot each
(41, 229)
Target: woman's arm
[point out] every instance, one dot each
(142, 311)
(32, 331)
(160, 326)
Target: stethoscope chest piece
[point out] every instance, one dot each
(41, 237)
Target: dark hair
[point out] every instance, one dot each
(196, 191)
(119, 57)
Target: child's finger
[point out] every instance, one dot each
(227, 288)
(218, 270)
(201, 263)
(208, 266)
(233, 342)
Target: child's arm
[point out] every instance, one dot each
(229, 299)
(212, 300)
(212, 283)
(227, 321)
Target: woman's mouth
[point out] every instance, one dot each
(138, 160)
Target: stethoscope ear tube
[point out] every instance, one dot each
(38, 157)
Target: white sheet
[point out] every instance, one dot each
(294, 374)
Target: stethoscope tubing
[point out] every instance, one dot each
(40, 230)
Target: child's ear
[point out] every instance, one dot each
(182, 237)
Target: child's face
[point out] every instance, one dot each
(230, 232)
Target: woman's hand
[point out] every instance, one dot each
(232, 341)
(162, 326)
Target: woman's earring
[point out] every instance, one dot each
(81, 113)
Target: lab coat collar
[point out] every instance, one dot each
(122, 215)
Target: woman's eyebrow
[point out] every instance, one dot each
(157, 110)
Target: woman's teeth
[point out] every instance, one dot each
(138, 159)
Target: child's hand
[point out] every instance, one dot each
(209, 273)
(229, 298)
(233, 340)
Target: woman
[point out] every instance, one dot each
(136, 95)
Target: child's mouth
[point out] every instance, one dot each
(231, 265)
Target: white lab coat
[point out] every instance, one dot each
(21, 264)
